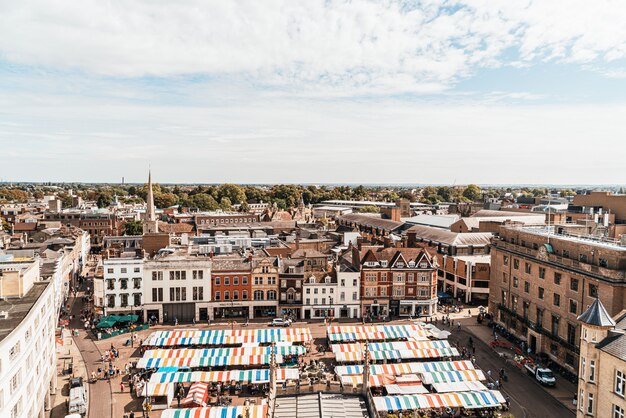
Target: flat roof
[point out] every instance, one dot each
(549, 231)
(18, 308)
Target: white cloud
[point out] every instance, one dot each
(349, 47)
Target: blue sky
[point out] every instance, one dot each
(313, 91)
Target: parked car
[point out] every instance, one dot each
(78, 401)
(279, 322)
(543, 375)
(76, 382)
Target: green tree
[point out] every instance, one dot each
(472, 192)
(165, 200)
(369, 209)
(133, 228)
(204, 202)
(234, 193)
(103, 200)
(225, 204)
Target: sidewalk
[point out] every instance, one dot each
(100, 400)
(66, 354)
(563, 392)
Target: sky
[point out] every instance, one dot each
(436, 92)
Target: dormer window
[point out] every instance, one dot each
(411, 264)
(423, 265)
(327, 279)
(383, 263)
(312, 279)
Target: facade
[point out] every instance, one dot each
(320, 295)
(543, 277)
(27, 341)
(208, 220)
(465, 277)
(397, 281)
(231, 288)
(122, 288)
(602, 366)
(264, 277)
(177, 286)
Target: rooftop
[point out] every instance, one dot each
(321, 405)
(458, 239)
(551, 231)
(597, 315)
(371, 221)
(439, 221)
(19, 308)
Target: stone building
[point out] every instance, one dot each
(602, 370)
(542, 278)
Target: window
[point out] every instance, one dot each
(354, 282)
(557, 278)
(618, 411)
(123, 283)
(157, 294)
(110, 271)
(14, 351)
(217, 281)
(270, 280)
(557, 299)
(172, 275)
(110, 284)
(236, 281)
(354, 295)
(539, 320)
(111, 301)
(555, 325)
(123, 270)
(515, 282)
(583, 364)
(136, 269)
(573, 284)
(217, 295)
(542, 273)
(516, 264)
(583, 258)
(590, 403)
(620, 381)
(342, 296)
(603, 262)
(541, 293)
(226, 281)
(581, 400)
(244, 295)
(505, 260)
(271, 295)
(244, 280)
(592, 371)
(593, 290)
(198, 293)
(157, 275)
(573, 306)
(226, 295)
(136, 299)
(571, 334)
(527, 287)
(527, 268)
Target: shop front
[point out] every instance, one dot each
(264, 311)
(231, 310)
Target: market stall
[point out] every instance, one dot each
(249, 411)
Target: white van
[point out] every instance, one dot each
(78, 401)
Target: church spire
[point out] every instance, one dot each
(150, 224)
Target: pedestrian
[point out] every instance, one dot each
(131, 415)
(458, 325)
(122, 387)
(93, 376)
(473, 359)
(489, 374)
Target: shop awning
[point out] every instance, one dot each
(158, 389)
(222, 352)
(197, 395)
(459, 386)
(228, 337)
(405, 389)
(452, 376)
(253, 411)
(243, 376)
(356, 356)
(479, 399)
(407, 368)
(375, 332)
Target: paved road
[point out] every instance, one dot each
(528, 398)
(100, 397)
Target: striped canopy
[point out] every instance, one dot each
(357, 356)
(482, 399)
(243, 376)
(465, 386)
(376, 332)
(407, 368)
(227, 337)
(288, 350)
(254, 411)
(452, 376)
(206, 361)
(397, 345)
(197, 395)
(157, 389)
(376, 381)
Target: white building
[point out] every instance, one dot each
(177, 285)
(348, 290)
(332, 294)
(27, 343)
(122, 287)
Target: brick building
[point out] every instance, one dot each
(542, 278)
(207, 220)
(397, 281)
(231, 286)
